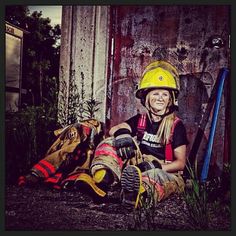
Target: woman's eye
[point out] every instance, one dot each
(161, 94)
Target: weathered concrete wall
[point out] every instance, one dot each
(84, 55)
(65, 55)
(105, 49)
(180, 34)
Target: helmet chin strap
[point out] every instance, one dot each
(171, 107)
(171, 110)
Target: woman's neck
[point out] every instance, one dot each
(157, 115)
(155, 118)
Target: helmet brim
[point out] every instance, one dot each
(141, 93)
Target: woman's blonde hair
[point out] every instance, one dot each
(164, 131)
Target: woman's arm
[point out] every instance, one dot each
(180, 160)
(125, 146)
(119, 126)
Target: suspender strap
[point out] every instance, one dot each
(168, 147)
(142, 123)
(168, 153)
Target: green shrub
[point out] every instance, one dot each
(29, 133)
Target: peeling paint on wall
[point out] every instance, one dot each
(112, 45)
(179, 34)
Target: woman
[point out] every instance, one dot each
(160, 137)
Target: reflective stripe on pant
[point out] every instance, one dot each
(160, 184)
(105, 157)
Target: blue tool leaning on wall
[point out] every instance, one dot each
(207, 157)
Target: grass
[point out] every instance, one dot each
(205, 201)
(196, 197)
(144, 216)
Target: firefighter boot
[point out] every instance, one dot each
(103, 178)
(85, 183)
(132, 188)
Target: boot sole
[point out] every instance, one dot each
(131, 180)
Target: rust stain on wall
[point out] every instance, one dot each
(178, 34)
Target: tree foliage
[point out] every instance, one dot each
(40, 53)
(17, 15)
(30, 130)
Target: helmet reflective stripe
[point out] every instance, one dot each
(159, 74)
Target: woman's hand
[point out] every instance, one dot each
(124, 144)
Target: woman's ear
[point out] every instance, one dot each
(170, 100)
(146, 101)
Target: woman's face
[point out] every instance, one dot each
(159, 100)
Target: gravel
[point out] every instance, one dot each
(44, 209)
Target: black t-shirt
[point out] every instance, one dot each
(148, 144)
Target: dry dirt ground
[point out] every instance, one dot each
(43, 209)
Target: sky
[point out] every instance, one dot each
(52, 12)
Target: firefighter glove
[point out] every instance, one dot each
(124, 144)
(148, 165)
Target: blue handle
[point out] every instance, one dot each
(207, 156)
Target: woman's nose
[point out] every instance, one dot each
(159, 97)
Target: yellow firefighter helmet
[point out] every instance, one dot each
(159, 74)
